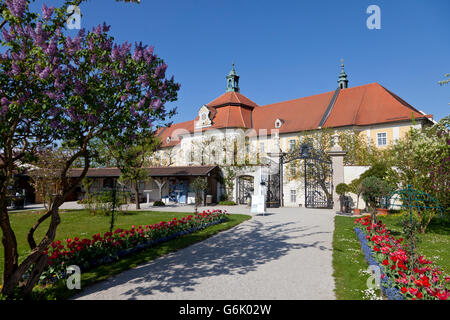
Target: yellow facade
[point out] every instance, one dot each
(397, 131)
(403, 130)
(389, 136)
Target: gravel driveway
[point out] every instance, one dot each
(286, 254)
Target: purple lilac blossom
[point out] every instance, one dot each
(17, 7)
(47, 12)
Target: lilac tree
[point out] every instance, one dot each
(56, 89)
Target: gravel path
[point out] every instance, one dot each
(286, 254)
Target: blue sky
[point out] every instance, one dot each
(288, 49)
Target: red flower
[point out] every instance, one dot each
(404, 290)
(413, 291)
(386, 262)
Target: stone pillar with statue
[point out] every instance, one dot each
(337, 154)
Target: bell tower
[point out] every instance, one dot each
(342, 81)
(232, 80)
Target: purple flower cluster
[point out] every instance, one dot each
(16, 7)
(89, 81)
(120, 52)
(47, 12)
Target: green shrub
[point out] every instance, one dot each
(102, 202)
(158, 203)
(342, 188)
(227, 203)
(373, 190)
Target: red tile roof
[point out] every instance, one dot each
(356, 106)
(173, 132)
(369, 104)
(232, 98)
(298, 114)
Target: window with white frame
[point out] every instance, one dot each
(291, 144)
(261, 147)
(381, 139)
(293, 196)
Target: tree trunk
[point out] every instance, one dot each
(11, 280)
(160, 184)
(374, 215)
(136, 191)
(13, 273)
(35, 274)
(10, 253)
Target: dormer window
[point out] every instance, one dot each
(203, 118)
(278, 123)
(167, 139)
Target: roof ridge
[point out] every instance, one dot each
(291, 100)
(242, 118)
(327, 112)
(402, 102)
(318, 94)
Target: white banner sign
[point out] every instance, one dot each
(258, 204)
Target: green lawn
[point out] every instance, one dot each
(79, 223)
(349, 262)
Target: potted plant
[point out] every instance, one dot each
(341, 189)
(355, 187)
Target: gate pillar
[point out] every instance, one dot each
(337, 159)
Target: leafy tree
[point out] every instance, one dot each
(422, 159)
(61, 90)
(45, 174)
(319, 142)
(382, 170)
(359, 151)
(355, 187)
(342, 188)
(130, 159)
(373, 190)
(199, 185)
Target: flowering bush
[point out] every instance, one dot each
(101, 249)
(398, 276)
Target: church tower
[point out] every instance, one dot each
(232, 80)
(343, 81)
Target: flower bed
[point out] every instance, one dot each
(111, 246)
(398, 282)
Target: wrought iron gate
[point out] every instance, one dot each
(246, 189)
(273, 190)
(318, 178)
(318, 183)
(271, 181)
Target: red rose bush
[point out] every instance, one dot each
(111, 246)
(399, 280)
